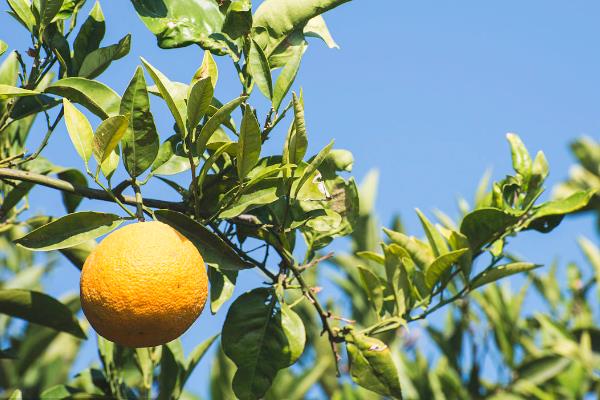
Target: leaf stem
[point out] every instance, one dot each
(51, 128)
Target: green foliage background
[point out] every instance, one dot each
(238, 196)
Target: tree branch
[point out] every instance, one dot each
(95, 194)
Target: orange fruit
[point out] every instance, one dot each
(143, 285)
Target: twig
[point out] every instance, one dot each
(323, 314)
(243, 254)
(118, 190)
(51, 128)
(83, 191)
(315, 262)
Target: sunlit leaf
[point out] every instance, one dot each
(215, 121)
(98, 60)
(275, 20)
(79, 129)
(168, 91)
(287, 76)
(258, 66)
(8, 91)
(199, 99)
(520, 156)
(249, 143)
(178, 23)
(108, 135)
(441, 265)
(500, 272)
(313, 166)
(372, 366)
(93, 95)
(70, 230)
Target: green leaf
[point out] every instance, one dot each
(500, 272)
(316, 27)
(287, 76)
(195, 357)
(108, 135)
(16, 395)
(90, 35)
(296, 141)
(258, 66)
(568, 205)
(140, 141)
(98, 60)
(39, 308)
(109, 166)
(520, 156)
(79, 253)
(221, 376)
(371, 256)
(16, 194)
(238, 19)
(210, 161)
(592, 254)
(169, 380)
(222, 285)
(441, 265)
(168, 90)
(70, 230)
(22, 9)
(537, 371)
(373, 287)
(80, 130)
(213, 249)
(199, 100)
(178, 23)
(208, 69)
(254, 195)
(419, 252)
(8, 92)
(77, 178)
(48, 10)
(436, 240)
(249, 143)
(372, 366)
(484, 225)
(218, 118)
(93, 95)
(275, 20)
(261, 336)
(313, 166)
(3, 47)
(170, 160)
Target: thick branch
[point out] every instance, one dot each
(83, 191)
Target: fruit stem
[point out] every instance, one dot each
(138, 200)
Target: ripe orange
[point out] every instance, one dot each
(143, 285)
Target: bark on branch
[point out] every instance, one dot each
(83, 191)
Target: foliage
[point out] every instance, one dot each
(236, 197)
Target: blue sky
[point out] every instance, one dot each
(422, 91)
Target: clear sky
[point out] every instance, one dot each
(424, 91)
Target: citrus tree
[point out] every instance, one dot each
(231, 206)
